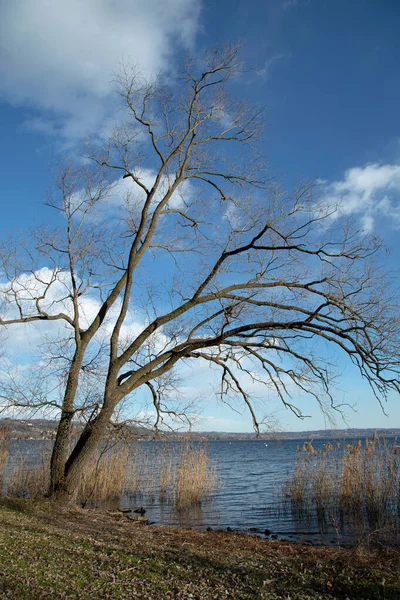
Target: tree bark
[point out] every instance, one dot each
(78, 464)
(60, 449)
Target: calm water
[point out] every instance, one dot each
(251, 475)
(249, 497)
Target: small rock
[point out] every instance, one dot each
(274, 536)
(209, 529)
(140, 511)
(267, 532)
(254, 529)
(229, 529)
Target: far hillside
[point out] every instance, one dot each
(45, 429)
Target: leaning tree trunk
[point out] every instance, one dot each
(61, 443)
(60, 451)
(81, 459)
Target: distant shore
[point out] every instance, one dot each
(44, 429)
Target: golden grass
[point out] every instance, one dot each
(195, 476)
(28, 474)
(107, 478)
(167, 475)
(178, 473)
(4, 452)
(359, 477)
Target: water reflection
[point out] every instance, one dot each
(249, 496)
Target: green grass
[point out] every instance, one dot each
(38, 564)
(49, 554)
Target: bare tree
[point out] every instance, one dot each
(175, 219)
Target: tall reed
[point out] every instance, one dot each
(178, 473)
(298, 484)
(107, 478)
(359, 477)
(195, 477)
(167, 475)
(28, 475)
(4, 453)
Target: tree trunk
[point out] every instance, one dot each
(62, 440)
(79, 462)
(60, 451)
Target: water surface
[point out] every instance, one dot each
(250, 496)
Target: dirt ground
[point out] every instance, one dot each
(48, 553)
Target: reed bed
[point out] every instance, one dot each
(359, 479)
(107, 478)
(181, 474)
(28, 473)
(4, 452)
(195, 477)
(167, 474)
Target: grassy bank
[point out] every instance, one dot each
(47, 553)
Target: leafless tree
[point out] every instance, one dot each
(177, 220)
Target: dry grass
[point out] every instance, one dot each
(4, 452)
(167, 475)
(178, 473)
(93, 555)
(28, 474)
(107, 479)
(298, 485)
(358, 478)
(4, 449)
(195, 477)
(141, 470)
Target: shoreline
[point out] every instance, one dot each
(48, 552)
(45, 429)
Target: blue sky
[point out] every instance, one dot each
(326, 73)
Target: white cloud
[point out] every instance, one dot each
(59, 56)
(369, 192)
(125, 189)
(265, 71)
(26, 339)
(211, 423)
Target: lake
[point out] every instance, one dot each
(250, 498)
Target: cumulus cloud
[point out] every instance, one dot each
(55, 287)
(125, 188)
(59, 56)
(369, 192)
(25, 338)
